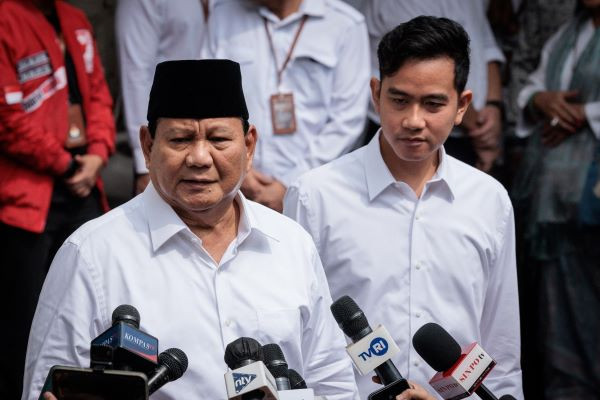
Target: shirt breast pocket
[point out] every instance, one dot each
(312, 76)
(283, 327)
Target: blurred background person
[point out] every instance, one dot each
(56, 134)
(148, 32)
(557, 197)
(305, 68)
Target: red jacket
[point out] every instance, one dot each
(34, 104)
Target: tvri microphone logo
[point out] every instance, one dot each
(240, 381)
(378, 347)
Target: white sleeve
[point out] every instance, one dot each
(138, 28)
(348, 110)
(592, 113)
(67, 318)
(536, 82)
(500, 326)
(328, 368)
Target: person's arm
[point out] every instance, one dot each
(100, 129)
(349, 99)
(500, 326)
(327, 366)
(22, 140)
(68, 314)
(138, 28)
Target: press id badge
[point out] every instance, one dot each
(283, 113)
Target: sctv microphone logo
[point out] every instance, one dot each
(240, 381)
(378, 347)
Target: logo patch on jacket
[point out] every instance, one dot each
(84, 37)
(33, 66)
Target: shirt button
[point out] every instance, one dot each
(228, 323)
(416, 363)
(418, 265)
(418, 315)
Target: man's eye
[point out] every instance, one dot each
(399, 101)
(218, 139)
(434, 104)
(179, 140)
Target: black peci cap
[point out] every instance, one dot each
(197, 89)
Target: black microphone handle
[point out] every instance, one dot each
(484, 393)
(254, 395)
(158, 379)
(388, 373)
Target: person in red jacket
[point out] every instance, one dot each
(56, 133)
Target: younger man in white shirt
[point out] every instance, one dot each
(412, 234)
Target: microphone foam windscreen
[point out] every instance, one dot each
(275, 360)
(127, 314)
(507, 397)
(241, 350)
(436, 346)
(349, 316)
(175, 361)
(296, 380)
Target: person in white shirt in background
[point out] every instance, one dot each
(149, 32)
(203, 265)
(305, 68)
(409, 232)
(477, 140)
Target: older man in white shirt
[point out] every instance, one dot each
(411, 233)
(202, 264)
(305, 68)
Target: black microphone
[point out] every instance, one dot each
(439, 349)
(353, 322)
(507, 397)
(172, 364)
(124, 346)
(296, 380)
(275, 362)
(248, 379)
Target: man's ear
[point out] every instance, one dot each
(250, 139)
(464, 100)
(146, 141)
(376, 92)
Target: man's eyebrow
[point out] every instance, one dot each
(436, 96)
(398, 92)
(179, 130)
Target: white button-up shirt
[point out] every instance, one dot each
(269, 285)
(537, 80)
(446, 257)
(384, 15)
(149, 32)
(328, 75)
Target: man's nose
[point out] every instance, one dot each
(199, 155)
(414, 119)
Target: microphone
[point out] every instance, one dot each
(172, 364)
(371, 350)
(275, 362)
(296, 380)
(123, 346)
(460, 371)
(248, 379)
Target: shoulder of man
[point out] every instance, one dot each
(345, 10)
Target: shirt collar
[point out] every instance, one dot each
(379, 176)
(312, 8)
(164, 223)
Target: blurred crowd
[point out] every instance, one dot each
(534, 124)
